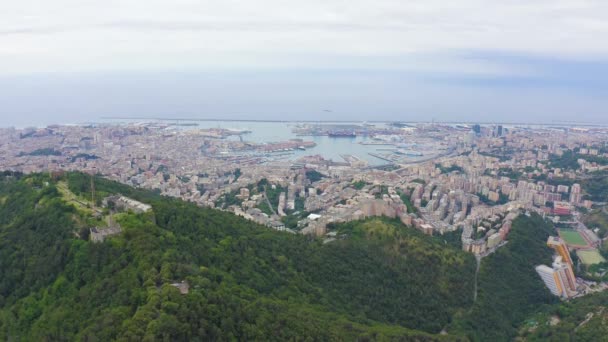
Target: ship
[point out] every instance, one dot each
(342, 134)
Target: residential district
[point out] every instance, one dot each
(439, 178)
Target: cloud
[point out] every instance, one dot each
(393, 59)
(75, 35)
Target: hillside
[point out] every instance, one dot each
(582, 319)
(379, 281)
(510, 290)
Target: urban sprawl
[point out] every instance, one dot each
(471, 180)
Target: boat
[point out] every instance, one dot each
(342, 134)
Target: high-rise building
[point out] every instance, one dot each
(551, 279)
(566, 276)
(469, 138)
(562, 266)
(477, 129)
(560, 248)
(559, 278)
(497, 131)
(575, 193)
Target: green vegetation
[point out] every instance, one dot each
(447, 271)
(569, 160)
(388, 167)
(572, 237)
(582, 319)
(229, 199)
(295, 215)
(379, 281)
(596, 187)
(411, 209)
(246, 282)
(291, 221)
(510, 290)
(452, 168)
(84, 156)
(510, 173)
(263, 206)
(452, 238)
(502, 199)
(590, 257)
(274, 194)
(597, 218)
(314, 175)
(359, 184)
(500, 154)
(594, 159)
(42, 152)
(381, 191)
(163, 169)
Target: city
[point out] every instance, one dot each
(470, 179)
(319, 170)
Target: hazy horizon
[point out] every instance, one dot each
(514, 61)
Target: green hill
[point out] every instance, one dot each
(379, 281)
(582, 319)
(510, 290)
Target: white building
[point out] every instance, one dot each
(550, 278)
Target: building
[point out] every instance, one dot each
(426, 229)
(497, 131)
(559, 279)
(561, 208)
(126, 203)
(566, 276)
(550, 278)
(575, 194)
(99, 235)
(560, 247)
(243, 193)
(494, 240)
(564, 280)
(477, 129)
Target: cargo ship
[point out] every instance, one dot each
(342, 134)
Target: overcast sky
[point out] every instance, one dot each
(508, 60)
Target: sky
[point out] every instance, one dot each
(69, 61)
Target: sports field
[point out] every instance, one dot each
(590, 257)
(572, 237)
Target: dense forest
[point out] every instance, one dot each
(509, 288)
(246, 282)
(379, 280)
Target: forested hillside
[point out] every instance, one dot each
(582, 319)
(510, 290)
(380, 280)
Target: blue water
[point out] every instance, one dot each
(263, 132)
(328, 147)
